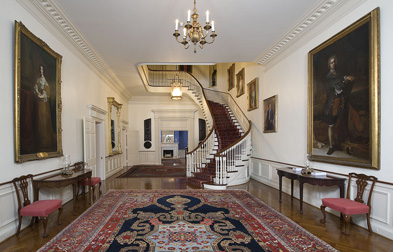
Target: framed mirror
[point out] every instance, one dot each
(168, 137)
(114, 108)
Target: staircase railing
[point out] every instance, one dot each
(197, 158)
(228, 158)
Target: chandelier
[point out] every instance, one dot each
(176, 84)
(193, 32)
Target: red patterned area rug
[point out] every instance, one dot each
(183, 220)
(170, 168)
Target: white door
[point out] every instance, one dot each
(89, 144)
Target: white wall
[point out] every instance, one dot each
(81, 85)
(141, 108)
(287, 77)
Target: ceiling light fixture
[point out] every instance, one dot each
(194, 32)
(176, 84)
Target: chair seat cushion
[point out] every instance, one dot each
(346, 206)
(41, 208)
(94, 181)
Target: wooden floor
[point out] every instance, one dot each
(360, 240)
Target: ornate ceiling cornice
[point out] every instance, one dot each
(300, 29)
(57, 17)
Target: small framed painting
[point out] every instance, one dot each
(270, 114)
(231, 76)
(212, 75)
(252, 94)
(240, 77)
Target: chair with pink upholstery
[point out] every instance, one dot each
(39, 208)
(78, 166)
(348, 207)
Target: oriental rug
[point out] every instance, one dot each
(183, 220)
(170, 168)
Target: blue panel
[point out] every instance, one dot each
(183, 139)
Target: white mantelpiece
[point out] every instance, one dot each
(170, 146)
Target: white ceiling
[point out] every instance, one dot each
(124, 33)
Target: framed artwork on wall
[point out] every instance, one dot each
(212, 75)
(270, 114)
(37, 103)
(231, 76)
(344, 91)
(240, 77)
(252, 94)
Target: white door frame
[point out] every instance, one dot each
(173, 119)
(98, 115)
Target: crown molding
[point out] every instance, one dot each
(323, 10)
(62, 23)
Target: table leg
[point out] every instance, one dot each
(89, 188)
(74, 187)
(342, 188)
(291, 188)
(280, 185)
(301, 196)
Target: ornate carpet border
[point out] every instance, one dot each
(292, 236)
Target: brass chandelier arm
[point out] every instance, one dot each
(194, 32)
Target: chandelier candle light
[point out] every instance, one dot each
(194, 32)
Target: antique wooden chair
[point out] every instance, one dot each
(349, 207)
(39, 208)
(78, 166)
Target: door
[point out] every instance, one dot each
(89, 144)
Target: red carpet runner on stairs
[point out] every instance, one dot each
(227, 133)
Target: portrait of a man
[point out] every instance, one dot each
(342, 96)
(270, 114)
(240, 76)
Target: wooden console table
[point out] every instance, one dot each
(59, 180)
(310, 179)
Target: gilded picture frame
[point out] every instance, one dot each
(344, 96)
(270, 114)
(240, 79)
(252, 95)
(213, 75)
(114, 129)
(231, 77)
(37, 103)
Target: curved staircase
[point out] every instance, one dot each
(227, 133)
(222, 159)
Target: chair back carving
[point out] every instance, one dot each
(21, 185)
(361, 184)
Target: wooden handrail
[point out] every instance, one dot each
(249, 122)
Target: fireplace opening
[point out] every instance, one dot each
(167, 153)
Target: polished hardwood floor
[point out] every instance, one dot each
(30, 238)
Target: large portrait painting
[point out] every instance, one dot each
(344, 88)
(231, 76)
(270, 114)
(252, 94)
(37, 98)
(240, 77)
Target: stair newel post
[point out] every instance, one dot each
(188, 162)
(197, 160)
(217, 179)
(224, 170)
(193, 168)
